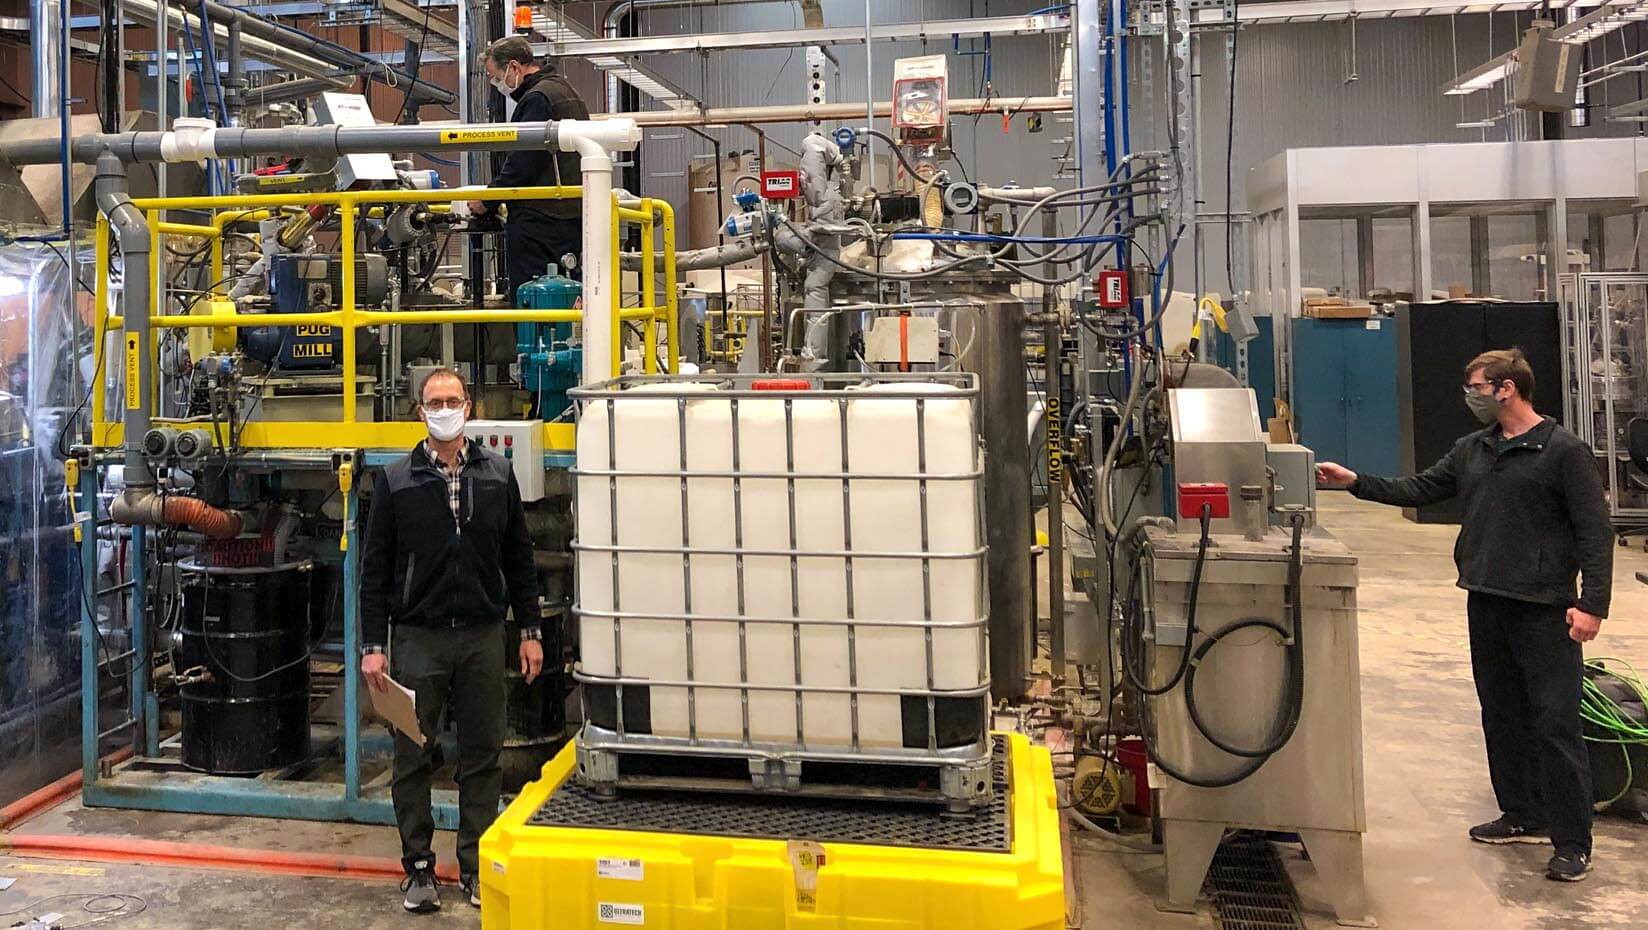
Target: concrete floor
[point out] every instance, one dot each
(1426, 782)
(1426, 773)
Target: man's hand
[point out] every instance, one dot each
(1329, 475)
(375, 666)
(1582, 627)
(477, 207)
(532, 659)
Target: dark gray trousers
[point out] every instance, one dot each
(1528, 678)
(463, 667)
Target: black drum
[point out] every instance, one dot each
(244, 658)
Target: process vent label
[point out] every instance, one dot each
(134, 391)
(629, 870)
(467, 136)
(634, 915)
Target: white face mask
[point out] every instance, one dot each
(444, 425)
(501, 84)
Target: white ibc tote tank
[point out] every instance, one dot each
(812, 613)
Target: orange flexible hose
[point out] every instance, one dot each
(199, 515)
(116, 849)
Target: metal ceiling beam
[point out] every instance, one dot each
(1313, 11)
(407, 19)
(795, 38)
(1610, 15)
(561, 28)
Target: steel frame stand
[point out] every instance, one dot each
(139, 785)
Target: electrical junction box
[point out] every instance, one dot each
(335, 109)
(520, 441)
(895, 340)
(781, 185)
(1111, 289)
(1547, 71)
(1293, 487)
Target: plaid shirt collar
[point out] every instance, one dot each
(454, 477)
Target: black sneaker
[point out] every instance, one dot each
(471, 885)
(1505, 831)
(423, 894)
(1568, 867)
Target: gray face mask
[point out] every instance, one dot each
(1484, 406)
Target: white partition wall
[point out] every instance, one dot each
(1527, 189)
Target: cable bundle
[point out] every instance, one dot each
(1614, 707)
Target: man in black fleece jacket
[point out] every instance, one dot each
(536, 232)
(1535, 516)
(447, 555)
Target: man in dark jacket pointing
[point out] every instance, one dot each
(1534, 517)
(537, 233)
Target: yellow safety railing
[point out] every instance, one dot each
(651, 216)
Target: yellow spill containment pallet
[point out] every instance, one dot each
(560, 858)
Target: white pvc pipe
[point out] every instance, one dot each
(594, 141)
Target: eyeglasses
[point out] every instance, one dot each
(445, 403)
(1475, 387)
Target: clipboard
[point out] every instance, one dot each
(399, 706)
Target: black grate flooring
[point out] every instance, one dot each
(765, 816)
(1250, 890)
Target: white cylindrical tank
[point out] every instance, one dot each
(766, 607)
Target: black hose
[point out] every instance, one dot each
(1296, 683)
(1296, 661)
(1136, 676)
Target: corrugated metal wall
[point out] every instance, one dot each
(1019, 66)
(1292, 89)
(1292, 92)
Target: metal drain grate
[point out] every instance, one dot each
(774, 817)
(1250, 890)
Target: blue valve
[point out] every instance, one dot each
(746, 199)
(846, 138)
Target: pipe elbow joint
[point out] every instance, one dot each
(590, 138)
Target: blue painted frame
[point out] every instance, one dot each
(133, 788)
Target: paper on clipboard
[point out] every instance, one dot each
(398, 705)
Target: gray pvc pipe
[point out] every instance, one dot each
(235, 142)
(131, 231)
(310, 45)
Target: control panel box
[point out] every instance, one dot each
(520, 441)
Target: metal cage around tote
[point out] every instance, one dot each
(841, 391)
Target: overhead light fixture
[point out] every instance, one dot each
(1477, 124)
(1611, 16)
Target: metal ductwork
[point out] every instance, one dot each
(289, 49)
(45, 46)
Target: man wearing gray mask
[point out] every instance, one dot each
(1535, 517)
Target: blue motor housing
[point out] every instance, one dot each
(294, 348)
(548, 361)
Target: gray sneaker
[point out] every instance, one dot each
(471, 885)
(423, 894)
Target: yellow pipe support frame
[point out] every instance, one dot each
(346, 238)
(382, 317)
(188, 229)
(326, 434)
(671, 311)
(617, 295)
(339, 198)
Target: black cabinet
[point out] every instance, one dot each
(1434, 342)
